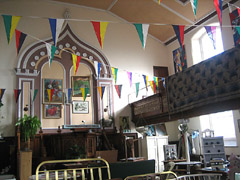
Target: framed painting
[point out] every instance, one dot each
(124, 122)
(80, 107)
(179, 59)
(52, 111)
(57, 86)
(79, 82)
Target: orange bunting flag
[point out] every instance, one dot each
(100, 30)
(119, 90)
(10, 23)
(76, 60)
(50, 94)
(101, 91)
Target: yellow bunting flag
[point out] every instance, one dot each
(50, 94)
(100, 91)
(156, 81)
(100, 30)
(114, 72)
(76, 60)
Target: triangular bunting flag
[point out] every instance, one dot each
(76, 60)
(238, 27)
(17, 93)
(34, 94)
(145, 81)
(101, 91)
(56, 27)
(20, 37)
(194, 6)
(114, 72)
(119, 90)
(211, 31)
(84, 93)
(218, 6)
(10, 23)
(137, 89)
(159, 1)
(50, 94)
(99, 69)
(156, 81)
(153, 86)
(1, 94)
(69, 95)
(50, 51)
(179, 31)
(130, 78)
(100, 30)
(163, 80)
(142, 30)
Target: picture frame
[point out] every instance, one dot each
(124, 122)
(80, 107)
(57, 85)
(52, 111)
(79, 82)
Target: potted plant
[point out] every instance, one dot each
(28, 126)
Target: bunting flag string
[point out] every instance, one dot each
(142, 30)
(17, 93)
(100, 30)
(10, 23)
(76, 60)
(137, 89)
(119, 90)
(56, 27)
(34, 94)
(218, 6)
(20, 38)
(211, 31)
(194, 6)
(179, 31)
(50, 51)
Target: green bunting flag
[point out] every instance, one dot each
(194, 6)
(84, 93)
(50, 51)
(34, 94)
(114, 72)
(156, 81)
(10, 23)
(142, 30)
(137, 89)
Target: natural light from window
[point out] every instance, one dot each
(223, 122)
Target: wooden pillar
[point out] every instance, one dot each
(25, 165)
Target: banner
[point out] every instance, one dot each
(142, 30)
(56, 27)
(20, 38)
(100, 30)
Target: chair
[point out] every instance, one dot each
(200, 177)
(153, 176)
(73, 169)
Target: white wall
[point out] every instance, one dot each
(122, 47)
(227, 36)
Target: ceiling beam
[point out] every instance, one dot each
(112, 4)
(202, 21)
(174, 12)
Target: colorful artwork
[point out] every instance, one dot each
(57, 85)
(52, 111)
(179, 59)
(79, 82)
(235, 20)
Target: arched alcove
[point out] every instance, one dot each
(33, 72)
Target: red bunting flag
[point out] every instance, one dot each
(211, 31)
(20, 38)
(218, 6)
(179, 31)
(50, 94)
(76, 60)
(119, 90)
(17, 93)
(100, 30)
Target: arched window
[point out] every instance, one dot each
(223, 122)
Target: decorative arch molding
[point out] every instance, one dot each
(68, 42)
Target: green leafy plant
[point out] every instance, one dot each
(75, 152)
(28, 126)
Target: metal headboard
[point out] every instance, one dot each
(88, 168)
